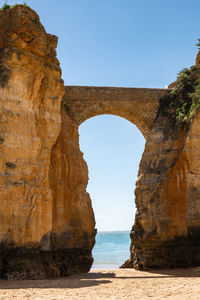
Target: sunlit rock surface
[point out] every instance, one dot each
(30, 92)
(166, 233)
(72, 213)
(47, 226)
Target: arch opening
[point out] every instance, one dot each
(112, 148)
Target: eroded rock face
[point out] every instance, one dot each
(73, 218)
(198, 59)
(30, 92)
(166, 233)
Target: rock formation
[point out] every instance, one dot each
(46, 218)
(166, 233)
(73, 222)
(47, 225)
(31, 89)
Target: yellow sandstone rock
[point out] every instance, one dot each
(47, 225)
(31, 89)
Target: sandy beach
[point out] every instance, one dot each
(109, 284)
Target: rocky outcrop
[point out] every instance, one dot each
(166, 233)
(198, 59)
(30, 90)
(72, 218)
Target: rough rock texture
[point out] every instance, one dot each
(30, 92)
(73, 218)
(166, 233)
(198, 59)
(47, 225)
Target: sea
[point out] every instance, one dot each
(111, 250)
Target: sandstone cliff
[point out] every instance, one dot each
(30, 91)
(166, 233)
(72, 218)
(47, 225)
(46, 217)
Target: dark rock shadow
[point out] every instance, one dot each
(61, 283)
(152, 273)
(97, 278)
(185, 272)
(164, 273)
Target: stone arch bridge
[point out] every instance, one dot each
(165, 223)
(137, 105)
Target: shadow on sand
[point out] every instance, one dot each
(95, 278)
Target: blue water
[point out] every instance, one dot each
(111, 249)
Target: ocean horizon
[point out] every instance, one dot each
(111, 250)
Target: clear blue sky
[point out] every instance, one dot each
(136, 43)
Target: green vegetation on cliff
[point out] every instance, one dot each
(183, 100)
(4, 7)
(7, 6)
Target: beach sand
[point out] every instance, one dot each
(109, 284)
